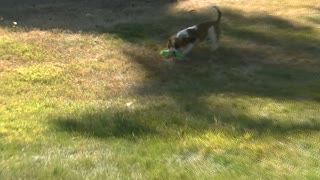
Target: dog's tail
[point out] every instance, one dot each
(219, 13)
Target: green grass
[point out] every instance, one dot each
(103, 104)
(19, 51)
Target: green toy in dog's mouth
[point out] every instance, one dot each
(176, 54)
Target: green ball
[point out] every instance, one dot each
(177, 54)
(166, 53)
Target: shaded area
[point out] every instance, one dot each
(76, 3)
(104, 124)
(251, 61)
(76, 15)
(194, 118)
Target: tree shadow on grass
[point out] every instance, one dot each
(91, 16)
(142, 123)
(104, 124)
(266, 65)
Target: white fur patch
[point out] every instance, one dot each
(184, 33)
(193, 27)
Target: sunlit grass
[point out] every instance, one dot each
(40, 74)
(24, 52)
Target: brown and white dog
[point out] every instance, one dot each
(187, 38)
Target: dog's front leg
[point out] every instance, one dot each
(187, 49)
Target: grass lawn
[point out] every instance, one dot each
(84, 93)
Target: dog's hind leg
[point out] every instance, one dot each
(213, 38)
